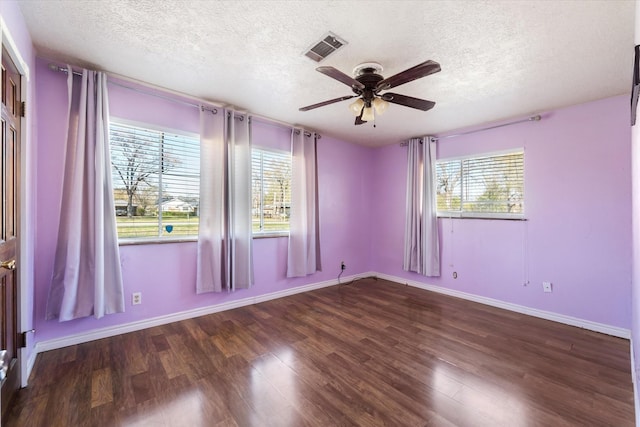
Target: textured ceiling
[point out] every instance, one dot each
(500, 59)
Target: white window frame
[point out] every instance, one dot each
(480, 215)
(267, 233)
(157, 128)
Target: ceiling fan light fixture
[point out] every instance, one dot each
(367, 114)
(356, 106)
(380, 106)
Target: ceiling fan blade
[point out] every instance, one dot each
(408, 101)
(359, 120)
(322, 104)
(334, 73)
(409, 75)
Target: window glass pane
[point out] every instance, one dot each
(482, 185)
(156, 182)
(271, 190)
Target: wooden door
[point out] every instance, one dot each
(9, 191)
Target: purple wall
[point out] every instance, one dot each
(635, 289)
(165, 273)
(16, 27)
(578, 206)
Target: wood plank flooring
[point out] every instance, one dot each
(370, 353)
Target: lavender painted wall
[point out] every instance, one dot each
(165, 273)
(577, 235)
(578, 206)
(16, 27)
(635, 288)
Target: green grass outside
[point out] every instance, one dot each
(140, 226)
(269, 226)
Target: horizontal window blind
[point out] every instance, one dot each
(271, 190)
(156, 181)
(482, 185)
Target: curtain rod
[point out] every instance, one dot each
(54, 67)
(278, 124)
(265, 120)
(167, 98)
(535, 118)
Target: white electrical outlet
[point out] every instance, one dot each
(136, 298)
(546, 286)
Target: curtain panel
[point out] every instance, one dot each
(225, 252)
(304, 226)
(421, 240)
(87, 278)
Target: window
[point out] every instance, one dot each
(156, 182)
(271, 190)
(490, 186)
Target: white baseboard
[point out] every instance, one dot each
(176, 317)
(189, 314)
(634, 380)
(27, 367)
(548, 315)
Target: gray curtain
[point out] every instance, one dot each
(421, 240)
(225, 252)
(87, 278)
(304, 226)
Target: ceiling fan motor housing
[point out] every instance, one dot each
(369, 78)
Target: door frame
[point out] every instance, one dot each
(24, 261)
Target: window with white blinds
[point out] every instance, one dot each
(156, 182)
(271, 190)
(490, 186)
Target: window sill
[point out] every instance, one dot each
(186, 239)
(268, 235)
(483, 216)
(156, 241)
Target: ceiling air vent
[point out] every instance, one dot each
(325, 47)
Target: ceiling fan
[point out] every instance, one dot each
(367, 85)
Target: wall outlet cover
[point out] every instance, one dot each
(136, 298)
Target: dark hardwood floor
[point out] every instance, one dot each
(369, 353)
